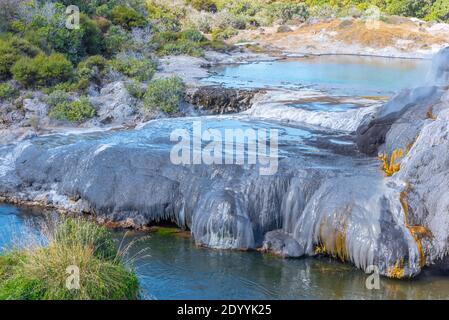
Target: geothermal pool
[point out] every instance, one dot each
(342, 75)
(231, 206)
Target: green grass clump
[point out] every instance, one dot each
(164, 94)
(39, 272)
(76, 111)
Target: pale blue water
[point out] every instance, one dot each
(172, 267)
(338, 75)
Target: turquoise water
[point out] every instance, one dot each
(172, 267)
(341, 75)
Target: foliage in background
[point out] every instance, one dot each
(73, 111)
(164, 94)
(124, 36)
(42, 70)
(8, 91)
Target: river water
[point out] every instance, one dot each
(173, 267)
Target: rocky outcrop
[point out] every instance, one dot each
(404, 115)
(315, 199)
(417, 121)
(220, 100)
(114, 104)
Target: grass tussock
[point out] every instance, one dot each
(43, 272)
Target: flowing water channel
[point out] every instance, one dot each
(173, 267)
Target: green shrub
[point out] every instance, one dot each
(286, 11)
(50, 34)
(167, 18)
(77, 111)
(410, 8)
(39, 273)
(203, 5)
(439, 11)
(164, 94)
(92, 68)
(57, 97)
(127, 17)
(181, 47)
(8, 91)
(192, 35)
(12, 50)
(223, 34)
(116, 40)
(140, 69)
(9, 10)
(135, 89)
(42, 70)
(189, 42)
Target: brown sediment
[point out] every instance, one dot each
(333, 238)
(430, 115)
(397, 271)
(417, 232)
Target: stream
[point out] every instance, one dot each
(233, 206)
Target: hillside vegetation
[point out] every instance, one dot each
(125, 38)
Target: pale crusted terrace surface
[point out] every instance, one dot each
(397, 37)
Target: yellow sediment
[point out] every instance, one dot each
(390, 167)
(417, 232)
(430, 115)
(396, 271)
(333, 239)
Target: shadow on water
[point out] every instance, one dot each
(172, 267)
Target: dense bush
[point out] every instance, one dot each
(116, 40)
(203, 5)
(92, 68)
(286, 11)
(9, 11)
(76, 43)
(223, 34)
(135, 89)
(141, 69)
(77, 111)
(189, 42)
(10, 51)
(38, 272)
(439, 11)
(42, 70)
(127, 17)
(164, 94)
(8, 91)
(57, 97)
